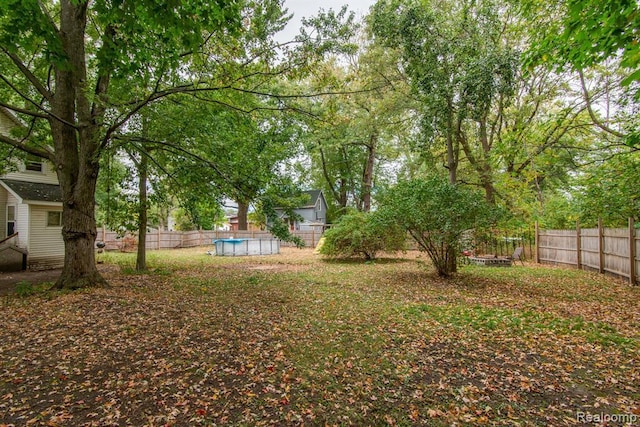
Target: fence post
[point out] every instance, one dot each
(578, 246)
(536, 255)
(600, 246)
(632, 252)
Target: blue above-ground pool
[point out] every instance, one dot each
(240, 247)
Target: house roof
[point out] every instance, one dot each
(33, 191)
(313, 198)
(11, 115)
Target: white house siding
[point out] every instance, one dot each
(3, 213)
(46, 247)
(47, 176)
(22, 222)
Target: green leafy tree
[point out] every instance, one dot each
(583, 35)
(82, 70)
(609, 190)
(436, 213)
(363, 234)
(78, 72)
(456, 58)
(355, 135)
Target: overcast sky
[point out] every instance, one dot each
(306, 8)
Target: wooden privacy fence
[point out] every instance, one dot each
(188, 239)
(607, 250)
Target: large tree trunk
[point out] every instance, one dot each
(79, 232)
(141, 259)
(452, 149)
(486, 174)
(243, 214)
(73, 128)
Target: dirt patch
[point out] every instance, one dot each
(9, 280)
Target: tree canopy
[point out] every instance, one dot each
(531, 104)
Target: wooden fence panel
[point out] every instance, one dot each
(590, 250)
(636, 270)
(616, 251)
(189, 239)
(608, 250)
(557, 247)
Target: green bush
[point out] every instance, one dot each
(436, 214)
(363, 234)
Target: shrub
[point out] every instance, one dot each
(436, 213)
(363, 234)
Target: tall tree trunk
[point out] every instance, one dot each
(141, 259)
(367, 176)
(486, 174)
(452, 155)
(344, 196)
(243, 214)
(74, 131)
(79, 234)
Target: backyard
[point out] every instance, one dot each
(293, 339)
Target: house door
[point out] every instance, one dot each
(11, 220)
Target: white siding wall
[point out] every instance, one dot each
(22, 222)
(46, 247)
(47, 176)
(3, 213)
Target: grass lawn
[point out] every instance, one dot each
(291, 339)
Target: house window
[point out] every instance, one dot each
(33, 164)
(11, 220)
(54, 219)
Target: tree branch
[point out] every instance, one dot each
(24, 111)
(592, 114)
(20, 145)
(28, 74)
(47, 114)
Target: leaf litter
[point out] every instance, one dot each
(295, 340)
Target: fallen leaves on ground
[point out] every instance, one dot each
(294, 340)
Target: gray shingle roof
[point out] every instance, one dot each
(33, 191)
(313, 197)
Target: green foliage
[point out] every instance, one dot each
(458, 63)
(202, 214)
(363, 234)
(584, 33)
(436, 213)
(610, 191)
(282, 197)
(558, 212)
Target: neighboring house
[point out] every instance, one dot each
(232, 224)
(313, 213)
(30, 211)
